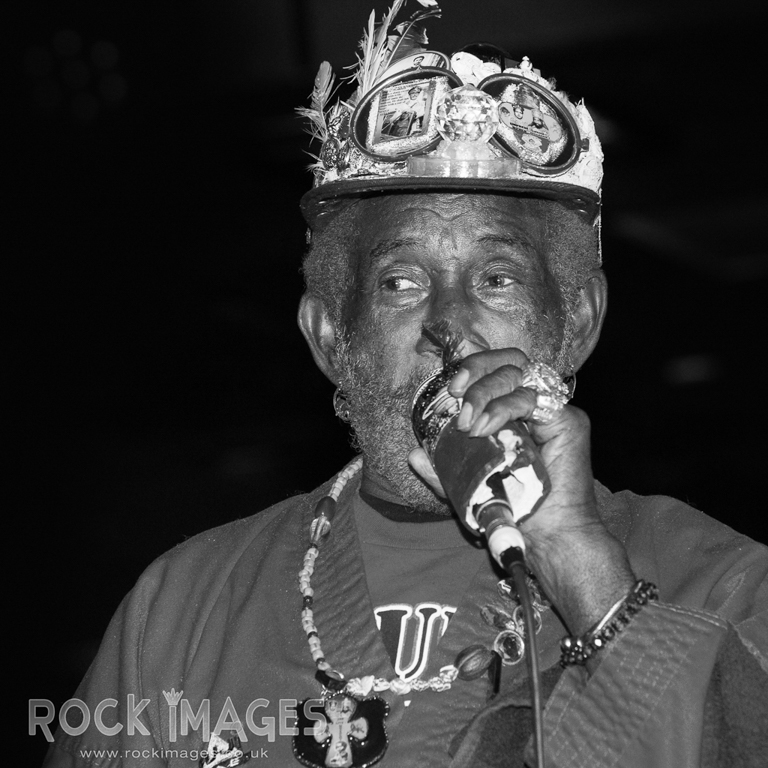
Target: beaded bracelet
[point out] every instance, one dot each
(578, 650)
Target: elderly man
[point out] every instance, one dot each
(364, 608)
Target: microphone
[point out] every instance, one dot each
(494, 482)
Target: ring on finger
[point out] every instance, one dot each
(551, 393)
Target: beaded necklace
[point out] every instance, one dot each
(345, 727)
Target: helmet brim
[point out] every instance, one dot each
(319, 204)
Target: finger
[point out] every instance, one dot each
(422, 466)
(494, 385)
(570, 422)
(475, 366)
(519, 404)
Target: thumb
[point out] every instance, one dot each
(422, 466)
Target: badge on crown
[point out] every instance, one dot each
(419, 118)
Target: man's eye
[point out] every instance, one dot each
(499, 281)
(398, 283)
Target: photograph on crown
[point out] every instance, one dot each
(418, 60)
(398, 117)
(532, 124)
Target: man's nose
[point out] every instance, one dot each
(453, 308)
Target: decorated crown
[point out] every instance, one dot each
(419, 119)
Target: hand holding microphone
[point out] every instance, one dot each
(496, 480)
(579, 564)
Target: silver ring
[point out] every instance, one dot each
(551, 393)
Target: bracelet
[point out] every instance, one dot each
(578, 650)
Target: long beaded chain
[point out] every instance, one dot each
(333, 680)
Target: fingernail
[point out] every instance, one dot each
(479, 425)
(459, 382)
(465, 417)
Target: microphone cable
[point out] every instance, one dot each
(507, 547)
(513, 562)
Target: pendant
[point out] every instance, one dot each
(341, 731)
(223, 754)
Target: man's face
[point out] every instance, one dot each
(477, 261)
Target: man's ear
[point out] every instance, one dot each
(589, 315)
(320, 332)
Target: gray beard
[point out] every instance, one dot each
(380, 416)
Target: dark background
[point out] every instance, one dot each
(156, 168)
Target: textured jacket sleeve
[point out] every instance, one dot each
(684, 685)
(152, 642)
(680, 688)
(122, 732)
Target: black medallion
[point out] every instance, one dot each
(341, 731)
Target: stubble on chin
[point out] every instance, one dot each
(380, 417)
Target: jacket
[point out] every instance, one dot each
(215, 625)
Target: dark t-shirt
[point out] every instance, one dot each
(417, 574)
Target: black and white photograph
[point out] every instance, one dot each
(364, 414)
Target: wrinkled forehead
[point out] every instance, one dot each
(454, 220)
